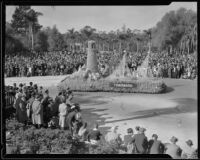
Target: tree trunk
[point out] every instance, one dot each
(120, 46)
(31, 35)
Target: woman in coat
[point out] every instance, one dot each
(37, 112)
(22, 113)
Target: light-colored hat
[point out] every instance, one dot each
(73, 106)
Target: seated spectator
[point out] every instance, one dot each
(155, 145)
(129, 137)
(173, 149)
(72, 119)
(94, 136)
(83, 132)
(53, 123)
(113, 136)
(141, 142)
(188, 151)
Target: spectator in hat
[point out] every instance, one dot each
(83, 132)
(37, 112)
(137, 129)
(129, 137)
(31, 84)
(189, 151)
(45, 103)
(71, 118)
(173, 149)
(20, 86)
(22, 114)
(35, 88)
(155, 146)
(141, 142)
(29, 105)
(95, 135)
(128, 141)
(15, 87)
(19, 93)
(113, 136)
(62, 113)
(41, 91)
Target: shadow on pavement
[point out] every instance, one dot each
(185, 105)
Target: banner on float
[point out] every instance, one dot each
(122, 85)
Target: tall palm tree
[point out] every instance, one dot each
(148, 32)
(72, 36)
(31, 18)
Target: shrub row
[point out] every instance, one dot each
(28, 140)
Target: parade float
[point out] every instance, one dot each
(89, 79)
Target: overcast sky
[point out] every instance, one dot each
(103, 18)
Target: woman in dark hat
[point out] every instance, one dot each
(22, 114)
(37, 111)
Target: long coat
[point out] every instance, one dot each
(156, 147)
(70, 119)
(22, 114)
(141, 143)
(29, 109)
(62, 114)
(16, 106)
(37, 112)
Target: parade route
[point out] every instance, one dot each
(170, 114)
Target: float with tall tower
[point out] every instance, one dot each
(89, 79)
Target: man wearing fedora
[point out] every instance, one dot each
(37, 112)
(140, 141)
(173, 149)
(71, 118)
(188, 152)
(155, 146)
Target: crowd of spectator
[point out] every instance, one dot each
(162, 64)
(35, 107)
(42, 64)
(175, 65)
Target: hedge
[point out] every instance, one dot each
(28, 140)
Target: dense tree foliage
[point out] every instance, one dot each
(41, 41)
(55, 40)
(176, 30)
(25, 23)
